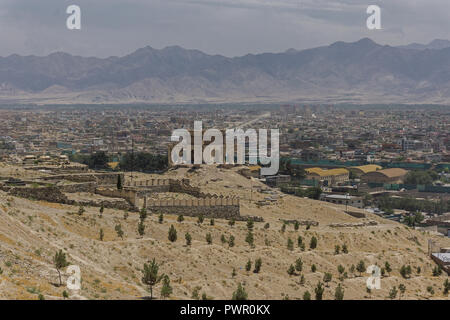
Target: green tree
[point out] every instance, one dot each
(387, 267)
(166, 289)
(232, 222)
(250, 239)
(102, 209)
(393, 293)
(337, 249)
(313, 243)
(65, 295)
(223, 239)
(101, 234)
(240, 293)
(188, 238)
(296, 225)
(141, 228)
(313, 268)
(290, 244)
(291, 270)
(327, 278)
(307, 295)
(340, 269)
(344, 248)
(298, 265)
(180, 218)
(299, 241)
(200, 219)
(361, 267)
(319, 291)
(211, 222)
(446, 287)
(258, 264)
(231, 241)
(161, 218)
(151, 277)
(143, 214)
(248, 265)
(339, 293)
(402, 289)
(172, 234)
(405, 271)
(119, 231)
(59, 260)
(250, 225)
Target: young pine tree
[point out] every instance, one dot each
(339, 293)
(248, 265)
(240, 293)
(166, 289)
(172, 234)
(258, 264)
(188, 238)
(231, 241)
(313, 243)
(119, 231)
(298, 265)
(141, 228)
(151, 277)
(290, 244)
(307, 295)
(59, 260)
(319, 291)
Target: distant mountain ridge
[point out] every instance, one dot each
(362, 71)
(436, 44)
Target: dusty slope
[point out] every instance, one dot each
(32, 231)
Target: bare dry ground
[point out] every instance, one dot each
(32, 231)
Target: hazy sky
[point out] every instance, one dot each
(227, 27)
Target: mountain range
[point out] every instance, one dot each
(357, 72)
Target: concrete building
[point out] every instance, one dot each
(330, 177)
(352, 201)
(392, 175)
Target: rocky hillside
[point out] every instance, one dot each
(32, 231)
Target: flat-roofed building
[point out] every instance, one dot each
(331, 177)
(392, 175)
(352, 201)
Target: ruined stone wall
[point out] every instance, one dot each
(50, 194)
(167, 185)
(215, 207)
(100, 178)
(128, 195)
(78, 187)
(221, 212)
